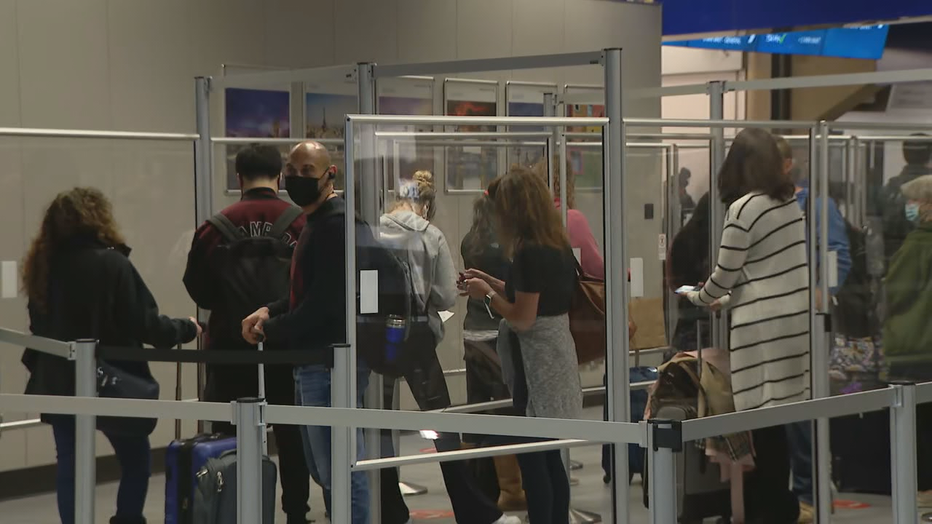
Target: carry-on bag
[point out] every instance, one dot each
(701, 492)
(204, 463)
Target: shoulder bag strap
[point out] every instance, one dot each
(284, 221)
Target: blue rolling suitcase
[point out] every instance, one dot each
(183, 459)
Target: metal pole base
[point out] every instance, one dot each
(411, 490)
(574, 465)
(579, 516)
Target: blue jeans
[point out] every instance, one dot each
(133, 454)
(312, 388)
(800, 440)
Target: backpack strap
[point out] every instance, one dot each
(227, 228)
(284, 221)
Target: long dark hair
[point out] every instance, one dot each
(80, 212)
(754, 163)
(482, 232)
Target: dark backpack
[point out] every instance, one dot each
(253, 270)
(396, 298)
(853, 305)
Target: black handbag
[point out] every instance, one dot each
(113, 382)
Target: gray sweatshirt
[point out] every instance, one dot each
(429, 259)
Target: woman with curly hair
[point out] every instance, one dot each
(81, 285)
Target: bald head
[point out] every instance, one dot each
(309, 159)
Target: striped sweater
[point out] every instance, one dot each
(762, 276)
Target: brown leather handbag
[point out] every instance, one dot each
(587, 317)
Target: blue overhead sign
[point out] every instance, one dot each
(683, 17)
(858, 42)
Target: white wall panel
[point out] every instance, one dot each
(300, 33)
(426, 30)
(9, 64)
(226, 31)
(538, 27)
(151, 65)
(66, 79)
(366, 31)
(483, 28)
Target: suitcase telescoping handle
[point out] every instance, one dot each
(261, 347)
(178, 392)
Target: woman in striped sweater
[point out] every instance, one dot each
(762, 278)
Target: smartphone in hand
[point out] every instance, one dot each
(682, 290)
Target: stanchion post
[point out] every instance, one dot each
(249, 417)
(370, 198)
(903, 454)
(716, 206)
(203, 191)
(550, 109)
(616, 267)
(664, 440)
(85, 455)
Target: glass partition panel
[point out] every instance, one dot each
(476, 253)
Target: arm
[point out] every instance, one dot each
(522, 313)
(731, 257)
(901, 286)
(199, 278)
(137, 312)
(443, 287)
(581, 237)
(325, 297)
(838, 242)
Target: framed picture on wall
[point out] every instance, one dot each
(405, 96)
(325, 109)
(527, 99)
(470, 167)
(585, 162)
(253, 113)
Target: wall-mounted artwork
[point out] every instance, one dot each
(253, 113)
(527, 99)
(325, 120)
(471, 167)
(586, 163)
(406, 96)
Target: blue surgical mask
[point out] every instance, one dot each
(912, 212)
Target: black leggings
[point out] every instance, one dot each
(546, 486)
(767, 495)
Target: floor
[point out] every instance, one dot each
(589, 494)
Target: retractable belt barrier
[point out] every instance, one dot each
(661, 438)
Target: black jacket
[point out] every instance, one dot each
(313, 317)
(96, 293)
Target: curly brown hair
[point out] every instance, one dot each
(80, 212)
(525, 212)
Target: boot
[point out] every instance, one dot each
(127, 520)
(512, 496)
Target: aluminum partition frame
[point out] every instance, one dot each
(613, 70)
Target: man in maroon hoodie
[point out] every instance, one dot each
(259, 211)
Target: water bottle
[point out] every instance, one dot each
(394, 336)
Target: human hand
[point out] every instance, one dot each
(475, 273)
(200, 330)
(475, 288)
(253, 325)
(716, 306)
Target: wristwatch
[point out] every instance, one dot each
(488, 302)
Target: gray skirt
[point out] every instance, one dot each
(550, 366)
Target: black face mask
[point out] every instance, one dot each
(303, 190)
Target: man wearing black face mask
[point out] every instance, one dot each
(313, 316)
(221, 252)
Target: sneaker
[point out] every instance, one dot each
(507, 519)
(806, 513)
